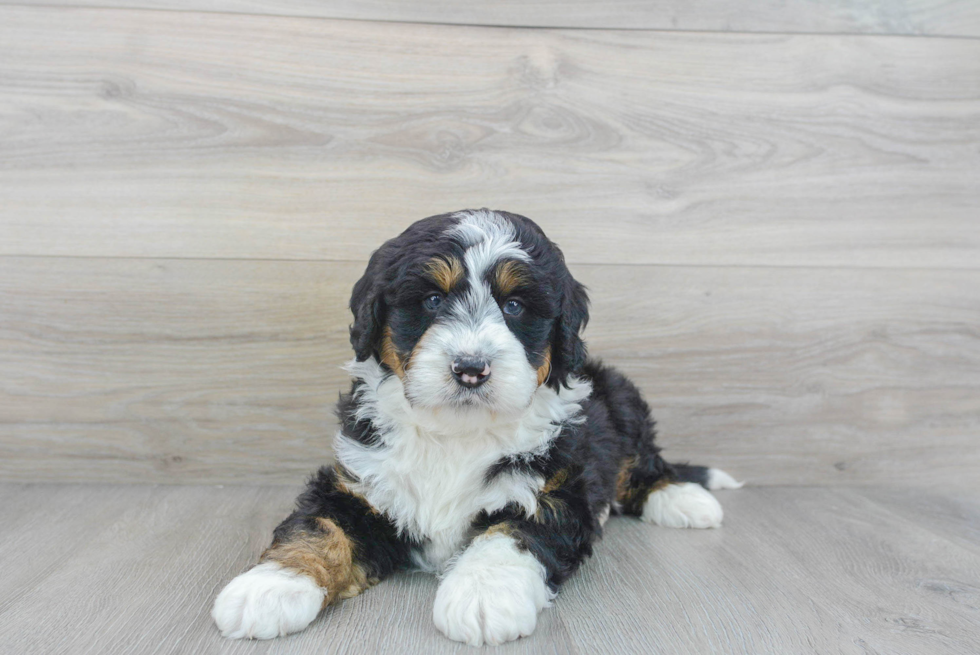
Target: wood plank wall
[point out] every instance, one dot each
(905, 17)
(780, 231)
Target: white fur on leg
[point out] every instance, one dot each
(684, 505)
(492, 594)
(265, 602)
(718, 479)
(604, 515)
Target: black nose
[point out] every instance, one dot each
(471, 372)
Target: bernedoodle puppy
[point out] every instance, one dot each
(477, 442)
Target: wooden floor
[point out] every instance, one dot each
(133, 569)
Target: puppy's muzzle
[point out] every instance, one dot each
(471, 372)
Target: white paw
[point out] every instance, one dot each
(718, 479)
(265, 602)
(684, 505)
(492, 595)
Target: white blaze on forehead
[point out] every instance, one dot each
(488, 237)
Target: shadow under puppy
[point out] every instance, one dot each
(477, 441)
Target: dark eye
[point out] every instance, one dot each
(432, 302)
(513, 307)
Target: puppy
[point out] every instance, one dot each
(476, 442)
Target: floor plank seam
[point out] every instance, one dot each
(572, 263)
(504, 26)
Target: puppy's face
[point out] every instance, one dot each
(471, 310)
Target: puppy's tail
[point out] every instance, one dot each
(708, 478)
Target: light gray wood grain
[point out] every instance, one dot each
(224, 371)
(921, 17)
(170, 370)
(792, 570)
(169, 134)
(955, 517)
(123, 569)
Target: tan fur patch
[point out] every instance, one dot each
(446, 273)
(545, 369)
(623, 478)
(390, 355)
(498, 528)
(548, 502)
(554, 506)
(510, 275)
(327, 557)
(555, 482)
(627, 495)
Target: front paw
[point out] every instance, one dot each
(492, 595)
(265, 602)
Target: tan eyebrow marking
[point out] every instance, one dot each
(510, 275)
(446, 273)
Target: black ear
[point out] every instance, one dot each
(568, 351)
(368, 306)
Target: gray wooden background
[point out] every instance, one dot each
(775, 207)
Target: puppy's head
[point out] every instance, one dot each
(471, 309)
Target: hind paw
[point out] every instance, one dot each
(684, 505)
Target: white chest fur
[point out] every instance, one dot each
(427, 473)
(433, 487)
